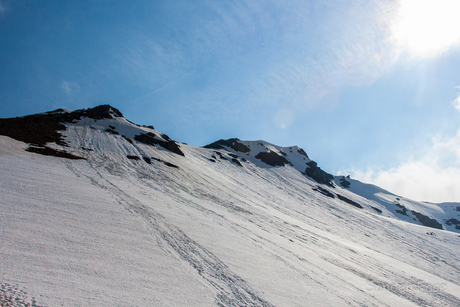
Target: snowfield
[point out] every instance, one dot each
(135, 224)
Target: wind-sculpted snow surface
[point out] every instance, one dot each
(122, 227)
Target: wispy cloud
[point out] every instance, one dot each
(456, 101)
(433, 176)
(3, 7)
(70, 88)
(279, 50)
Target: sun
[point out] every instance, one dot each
(427, 28)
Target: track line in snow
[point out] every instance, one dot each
(232, 289)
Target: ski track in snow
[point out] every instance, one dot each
(232, 289)
(261, 236)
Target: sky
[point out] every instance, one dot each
(367, 88)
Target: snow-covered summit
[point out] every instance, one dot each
(265, 154)
(45, 130)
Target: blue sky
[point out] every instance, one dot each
(367, 88)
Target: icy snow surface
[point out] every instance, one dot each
(115, 231)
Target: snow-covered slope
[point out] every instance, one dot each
(110, 213)
(440, 216)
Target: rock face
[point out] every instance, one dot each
(344, 183)
(39, 129)
(426, 221)
(149, 139)
(275, 156)
(318, 174)
(349, 201)
(231, 143)
(302, 152)
(272, 158)
(453, 221)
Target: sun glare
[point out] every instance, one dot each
(426, 28)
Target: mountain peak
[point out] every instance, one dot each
(205, 226)
(273, 156)
(43, 128)
(101, 112)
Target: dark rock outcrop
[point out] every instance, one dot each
(43, 128)
(230, 143)
(302, 152)
(317, 174)
(426, 221)
(344, 183)
(452, 221)
(272, 158)
(403, 210)
(149, 139)
(39, 129)
(47, 151)
(234, 160)
(133, 157)
(349, 201)
(323, 191)
(165, 163)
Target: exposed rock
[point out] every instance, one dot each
(99, 112)
(39, 129)
(170, 164)
(349, 201)
(234, 160)
(323, 191)
(231, 143)
(302, 152)
(344, 183)
(167, 138)
(403, 210)
(149, 139)
(376, 209)
(165, 163)
(452, 221)
(426, 221)
(111, 131)
(133, 157)
(36, 129)
(221, 156)
(317, 174)
(272, 158)
(128, 139)
(146, 159)
(47, 151)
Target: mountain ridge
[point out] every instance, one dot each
(135, 223)
(42, 130)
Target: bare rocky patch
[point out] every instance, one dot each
(272, 158)
(230, 143)
(317, 174)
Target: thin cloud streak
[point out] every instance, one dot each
(248, 38)
(434, 176)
